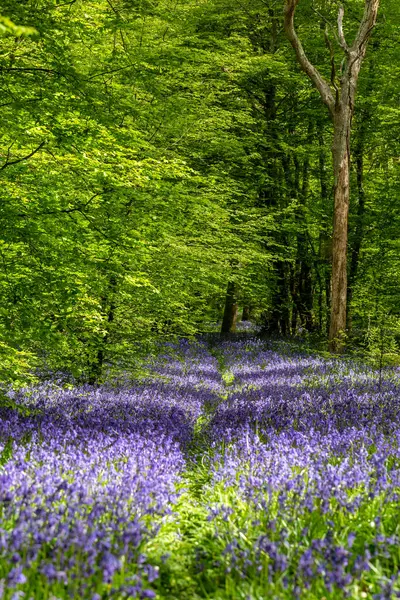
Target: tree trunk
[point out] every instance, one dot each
(278, 321)
(325, 241)
(293, 293)
(305, 287)
(109, 307)
(359, 228)
(341, 170)
(230, 310)
(339, 97)
(306, 296)
(246, 313)
(358, 231)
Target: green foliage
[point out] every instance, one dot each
(150, 153)
(8, 27)
(190, 549)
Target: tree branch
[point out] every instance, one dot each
(109, 72)
(342, 39)
(9, 162)
(332, 56)
(80, 208)
(32, 70)
(313, 73)
(366, 26)
(357, 51)
(65, 4)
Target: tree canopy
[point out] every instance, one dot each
(156, 154)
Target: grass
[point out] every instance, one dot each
(190, 550)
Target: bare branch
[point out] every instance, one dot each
(65, 4)
(333, 66)
(321, 16)
(342, 39)
(115, 10)
(66, 211)
(9, 153)
(320, 83)
(357, 51)
(110, 71)
(366, 26)
(32, 70)
(9, 162)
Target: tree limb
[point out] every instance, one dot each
(342, 39)
(65, 4)
(357, 51)
(366, 26)
(313, 73)
(9, 162)
(333, 66)
(32, 70)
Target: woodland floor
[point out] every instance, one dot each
(234, 471)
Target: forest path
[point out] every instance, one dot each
(186, 537)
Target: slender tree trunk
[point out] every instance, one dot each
(293, 294)
(278, 321)
(359, 228)
(357, 238)
(230, 310)
(341, 169)
(285, 301)
(246, 313)
(109, 307)
(320, 307)
(325, 242)
(306, 296)
(305, 305)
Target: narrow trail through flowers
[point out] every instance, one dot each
(233, 471)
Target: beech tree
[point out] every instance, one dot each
(339, 97)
